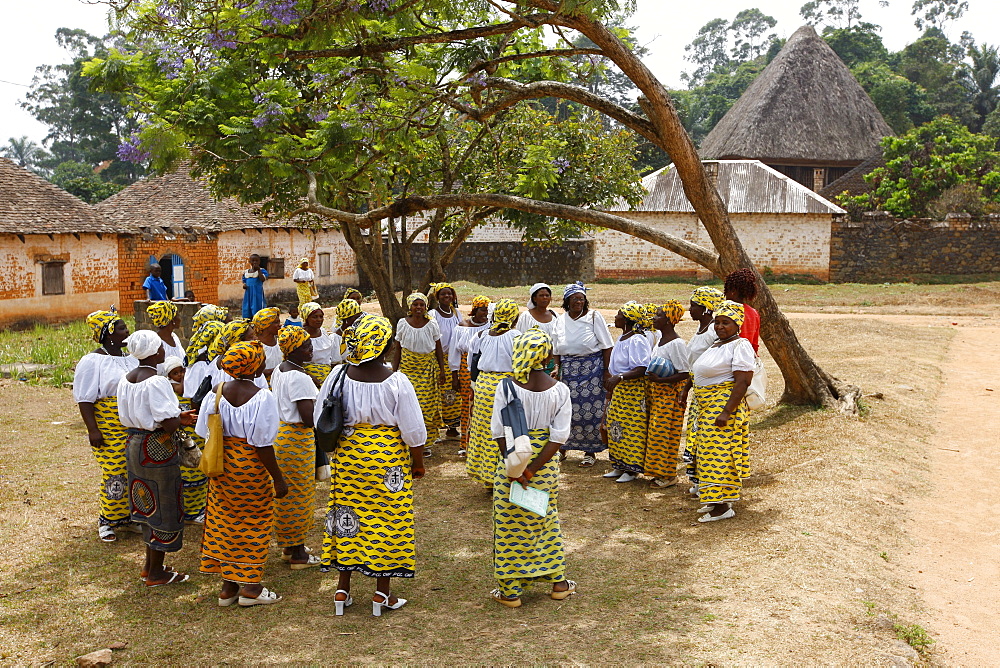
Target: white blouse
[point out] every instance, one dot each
(220, 376)
(194, 375)
(289, 387)
(629, 353)
(323, 348)
(146, 404)
(272, 356)
(392, 402)
(549, 409)
(301, 274)
(526, 321)
(256, 420)
(699, 343)
(96, 376)
(495, 351)
(461, 341)
(418, 339)
(717, 364)
(677, 352)
(447, 327)
(586, 335)
(176, 350)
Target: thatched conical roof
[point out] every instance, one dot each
(805, 107)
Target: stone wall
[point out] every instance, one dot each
(507, 263)
(185, 311)
(881, 248)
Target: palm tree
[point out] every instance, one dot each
(24, 152)
(979, 78)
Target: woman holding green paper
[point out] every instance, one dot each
(526, 546)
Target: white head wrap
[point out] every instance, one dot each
(535, 288)
(143, 343)
(171, 363)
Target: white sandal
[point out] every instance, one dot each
(267, 597)
(724, 516)
(287, 557)
(106, 533)
(384, 603)
(311, 560)
(346, 603)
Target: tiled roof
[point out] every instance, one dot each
(176, 201)
(854, 181)
(31, 205)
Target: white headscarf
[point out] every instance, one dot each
(143, 343)
(535, 288)
(171, 363)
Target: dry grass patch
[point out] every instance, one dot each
(783, 583)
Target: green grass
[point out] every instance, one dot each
(913, 635)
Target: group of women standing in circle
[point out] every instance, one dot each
(399, 388)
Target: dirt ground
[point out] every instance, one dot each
(821, 565)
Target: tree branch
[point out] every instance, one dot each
(548, 53)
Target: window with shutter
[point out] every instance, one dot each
(53, 278)
(324, 264)
(276, 267)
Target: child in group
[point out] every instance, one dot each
(293, 319)
(173, 369)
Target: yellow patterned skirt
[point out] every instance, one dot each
(527, 548)
(369, 520)
(627, 426)
(113, 493)
(305, 293)
(482, 455)
(239, 518)
(318, 372)
(465, 392)
(295, 452)
(195, 490)
(666, 423)
(721, 454)
(423, 371)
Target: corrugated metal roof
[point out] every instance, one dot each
(746, 186)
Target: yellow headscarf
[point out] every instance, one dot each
(531, 349)
(102, 322)
(366, 339)
(638, 314)
(345, 309)
(504, 314)
(203, 338)
(290, 338)
(208, 313)
(161, 313)
(732, 310)
(303, 261)
(708, 297)
(230, 333)
(480, 301)
(673, 309)
(243, 359)
(438, 287)
(353, 291)
(414, 297)
(265, 317)
(307, 309)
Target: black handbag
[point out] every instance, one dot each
(474, 366)
(203, 389)
(331, 417)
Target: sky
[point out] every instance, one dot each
(663, 26)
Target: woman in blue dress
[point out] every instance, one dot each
(253, 288)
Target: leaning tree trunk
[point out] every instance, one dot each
(368, 250)
(805, 382)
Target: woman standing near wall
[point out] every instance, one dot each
(494, 348)
(448, 317)
(584, 344)
(95, 390)
(666, 409)
(627, 417)
(305, 283)
(458, 361)
(253, 287)
(163, 316)
(420, 357)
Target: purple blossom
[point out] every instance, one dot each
(222, 39)
(280, 12)
(379, 5)
(477, 79)
(131, 150)
(561, 164)
(170, 59)
(318, 116)
(273, 111)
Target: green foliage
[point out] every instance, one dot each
(902, 103)
(913, 635)
(858, 44)
(937, 13)
(837, 14)
(722, 46)
(79, 179)
(935, 64)
(926, 165)
(25, 153)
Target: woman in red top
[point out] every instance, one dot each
(741, 287)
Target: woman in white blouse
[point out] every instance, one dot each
(369, 523)
(626, 417)
(323, 354)
(295, 446)
(163, 317)
(527, 547)
(95, 390)
(540, 315)
(491, 352)
(704, 301)
(448, 318)
(720, 434)
(666, 410)
(240, 514)
(583, 343)
(421, 358)
(305, 283)
(149, 409)
(462, 339)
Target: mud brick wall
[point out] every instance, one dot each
(880, 248)
(201, 263)
(507, 263)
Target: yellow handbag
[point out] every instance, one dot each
(212, 459)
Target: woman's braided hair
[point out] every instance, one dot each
(741, 283)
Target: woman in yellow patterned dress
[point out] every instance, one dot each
(527, 547)
(421, 357)
(295, 447)
(458, 361)
(369, 523)
(666, 410)
(163, 317)
(494, 348)
(627, 417)
(721, 429)
(95, 390)
(448, 317)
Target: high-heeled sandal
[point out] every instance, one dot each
(378, 605)
(346, 603)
